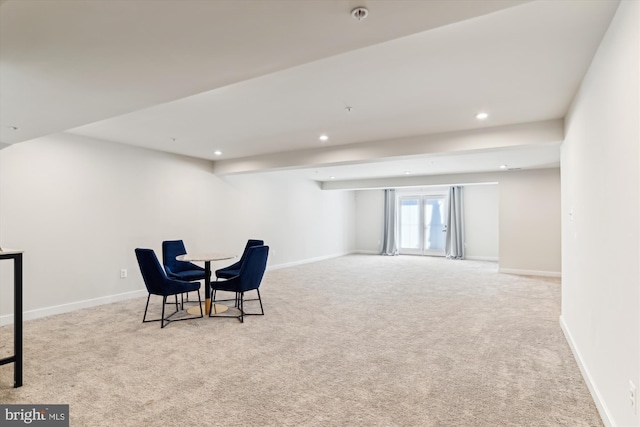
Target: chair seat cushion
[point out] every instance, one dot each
(225, 285)
(182, 266)
(187, 275)
(173, 287)
(227, 273)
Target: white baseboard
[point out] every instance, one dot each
(471, 258)
(600, 405)
(307, 261)
(530, 272)
(72, 306)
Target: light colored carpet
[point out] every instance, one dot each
(352, 341)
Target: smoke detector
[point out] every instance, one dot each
(359, 13)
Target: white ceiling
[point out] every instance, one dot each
(258, 77)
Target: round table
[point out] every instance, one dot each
(206, 257)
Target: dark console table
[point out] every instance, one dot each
(16, 359)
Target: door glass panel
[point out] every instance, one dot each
(410, 223)
(434, 227)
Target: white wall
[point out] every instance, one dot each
(601, 191)
(481, 219)
(79, 207)
(369, 214)
(528, 215)
(530, 222)
(300, 220)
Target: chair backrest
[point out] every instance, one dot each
(253, 268)
(250, 243)
(170, 250)
(152, 273)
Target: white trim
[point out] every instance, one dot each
(307, 261)
(7, 319)
(482, 258)
(530, 272)
(470, 258)
(600, 405)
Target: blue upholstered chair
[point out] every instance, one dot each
(249, 278)
(158, 283)
(180, 270)
(234, 269)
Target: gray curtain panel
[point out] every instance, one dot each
(454, 248)
(389, 245)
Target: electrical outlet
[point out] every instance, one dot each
(123, 273)
(633, 397)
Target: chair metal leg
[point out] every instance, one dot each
(181, 301)
(199, 304)
(213, 297)
(213, 300)
(164, 302)
(161, 319)
(164, 321)
(239, 301)
(144, 318)
(260, 299)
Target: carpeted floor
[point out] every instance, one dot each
(353, 341)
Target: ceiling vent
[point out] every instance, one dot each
(359, 13)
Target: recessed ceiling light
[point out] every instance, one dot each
(482, 116)
(323, 138)
(13, 127)
(503, 166)
(218, 153)
(359, 13)
(333, 177)
(173, 139)
(348, 109)
(407, 172)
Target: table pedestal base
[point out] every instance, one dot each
(217, 309)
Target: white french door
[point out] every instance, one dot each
(422, 222)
